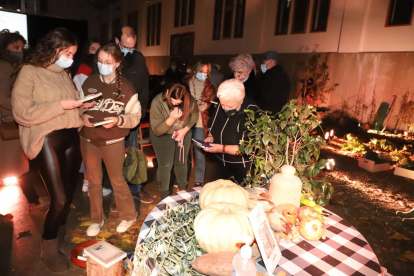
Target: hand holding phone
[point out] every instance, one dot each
(201, 143)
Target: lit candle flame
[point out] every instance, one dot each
(327, 136)
(10, 180)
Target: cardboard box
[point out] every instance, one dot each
(404, 172)
(370, 165)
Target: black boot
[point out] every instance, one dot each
(54, 261)
(64, 247)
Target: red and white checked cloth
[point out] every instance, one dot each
(344, 251)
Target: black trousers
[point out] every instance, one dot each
(233, 171)
(58, 163)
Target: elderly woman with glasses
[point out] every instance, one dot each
(242, 67)
(227, 129)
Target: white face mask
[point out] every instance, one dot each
(64, 62)
(105, 69)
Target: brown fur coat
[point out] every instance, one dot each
(209, 94)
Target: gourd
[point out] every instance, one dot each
(223, 191)
(218, 225)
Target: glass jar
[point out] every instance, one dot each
(286, 187)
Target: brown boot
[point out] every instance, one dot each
(64, 247)
(54, 261)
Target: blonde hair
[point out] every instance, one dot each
(201, 64)
(232, 89)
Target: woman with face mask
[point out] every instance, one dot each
(119, 110)
(173, 113)
(227, 129)
(12, 159)
(203, 92)
(242, 67)
(45, 104)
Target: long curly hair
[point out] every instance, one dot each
(178, 92)
(113, 50)
(48, 49)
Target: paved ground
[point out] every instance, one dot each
(20, 256)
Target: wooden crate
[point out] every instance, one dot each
(370, 165)
(404, 172)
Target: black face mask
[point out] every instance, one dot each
(230, 112)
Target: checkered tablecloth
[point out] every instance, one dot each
(344, 251)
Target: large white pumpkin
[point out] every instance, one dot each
(218, 225)
(223, 191)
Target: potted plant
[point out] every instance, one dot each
(289, 137)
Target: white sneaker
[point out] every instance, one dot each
(94, 229)
(85, 185)
(106, 191)
(124, 225)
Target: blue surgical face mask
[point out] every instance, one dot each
(126, 51)
(201, 76)
(263, 67)
(105, 69)
(64, 62)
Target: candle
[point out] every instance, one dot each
(327, 136)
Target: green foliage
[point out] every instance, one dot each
(382, 145)
(289, 137)
(172, 246)
(354, 145)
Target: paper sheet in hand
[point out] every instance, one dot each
(90, 98)
(105, 253)
(103, 122)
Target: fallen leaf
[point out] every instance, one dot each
(398, 236)
(409, 256)
(85, 223)
(23, 234)
(78, 240)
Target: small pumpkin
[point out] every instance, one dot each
(223, 191)
(218, 225)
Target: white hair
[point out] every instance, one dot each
(232, 89)
(244, 61)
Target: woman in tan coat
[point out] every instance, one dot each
(45, 104)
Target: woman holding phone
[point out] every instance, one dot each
(45, 104)
(173, 114)
(103, 137)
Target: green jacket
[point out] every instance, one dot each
(160, 112)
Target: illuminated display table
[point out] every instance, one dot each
(344, 251)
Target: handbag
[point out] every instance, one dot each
(135, 166)
(9, 130)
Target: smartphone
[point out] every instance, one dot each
(89, 99)
(201, 143)
(175, 134)
(102, 122)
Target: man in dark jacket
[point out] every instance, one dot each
(134, 67)
(275, 84)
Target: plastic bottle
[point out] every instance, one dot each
(243, 263)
